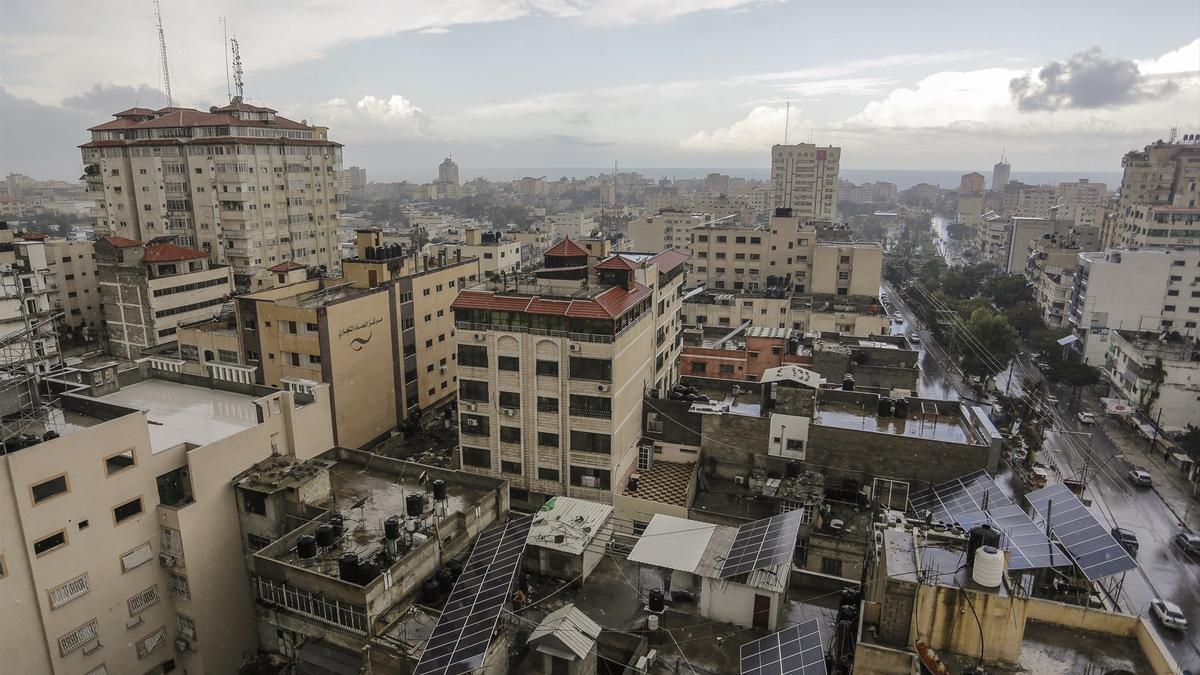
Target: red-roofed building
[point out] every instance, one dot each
(148, 290)
(195, 175)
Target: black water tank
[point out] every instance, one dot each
(367, 571)
(848, 382)
(348, 568)
(414, 504)
(885, 406)
(657, 600)
(391, 528)
(50, 435)
(325, 537)
(338, 523)
(455, 568)
(306, 547)
(445, 580)
(981, 535)
(439, 490)
(901, 409)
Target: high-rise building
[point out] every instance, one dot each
(357, 179)
(75, 285)
(668, 229)
(804, 178)
(448, 172)
(248, 187)
(25, 305)
(1164, 177)
(1000, 173)
(553, 369)
(970, 199)
(716, 183)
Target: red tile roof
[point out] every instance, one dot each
(669, 259)
(566, 249)
(121, 242)
(608, 305)
(616, 263)
(242, 106)
(165, 252)
(286, 266)
(135, 112)
(34, 236)
(167, 118)
(616, 300)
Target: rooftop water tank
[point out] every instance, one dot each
(325, 537)
(306, 547)
(439, 490)
(981, 535)
(414, 504)
(989, 567)
(391, 528)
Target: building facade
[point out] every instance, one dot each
(26, 304)
(1159, 373)
(73, 270)
(1160, 175)
(1001, 172)
(804, 178)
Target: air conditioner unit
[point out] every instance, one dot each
(602, 387)
(471, 406)
(574, 347)
(479, 336)
(509, 413)
(443, 369)
(739, 480)
(183, 645)
(166, 559)
(472, 423)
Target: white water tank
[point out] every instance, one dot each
(652, 623)
(989, 567)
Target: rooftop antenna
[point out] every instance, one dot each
(787, 119)
(162, 50)
(237, 68)
(225, 50)
(1173, 135)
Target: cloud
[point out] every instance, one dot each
(1184, 61)
(1088, 79)
(942, 99)
(629, 12)
(837, 86)
(434, 30)
(392, 116)
(579, 141)
(760, 129)
(834, 70)
(105, 99)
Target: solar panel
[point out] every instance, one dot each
(1026, 542)
(795, 650)
(464, 630)
(1090, 544)
(960, 495)
(763, 543)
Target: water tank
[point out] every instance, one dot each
(981, 535)
(348, 567)
(306, 547)
(848, 382)
(652, 623)
(455, 568)
(885, 406)
(338, 523)
(50, 435)
(989, 567)
(414, 504)
(657, 600)
(445, 580)
(367, 571)
(901, 408)
(391, 528)
(325, 537)
(418, 539)
(439, 490)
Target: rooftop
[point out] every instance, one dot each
(664, 482)
(330, 293)
(687, 545)
(934, 420)
(594, 302)
(182, 413)
(1168, 346)
(568, 524)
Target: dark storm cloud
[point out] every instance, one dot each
(1088, 79)
(106, 99)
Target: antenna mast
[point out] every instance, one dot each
(237, 67)
(162, 50)
(787, 118)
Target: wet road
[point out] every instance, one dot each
(936, 381)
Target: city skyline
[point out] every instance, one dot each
(491, 95)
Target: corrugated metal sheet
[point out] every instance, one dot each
(571, 628)
(673, 543)
(576, 520)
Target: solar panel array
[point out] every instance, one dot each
(1090, 544)
(795, 650)
(763, 543)
(960, 495)
(464, 630)
(1026, 542)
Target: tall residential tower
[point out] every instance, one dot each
(1000, 173)
(804, 178)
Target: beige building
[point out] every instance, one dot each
(553, 370)
(804, 178)
(149, 289)
(26, 287)
(1160, 175)
(119, 546)
(1159, 373)
(1050, 268)
(75, 286)
(496, 253)
(1161, 226)
(860, 316)
(248, 187)
(668, 229)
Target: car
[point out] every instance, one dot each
(1140, 478)
(1086, 417)
(1188, 542)
(1127, 539)
(1168, 614)
(1052, 400)
(898, 317)
(914, 337)
(1043, 366)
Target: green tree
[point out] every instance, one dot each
(1077, 374)
(1026, 317)
(997, 338)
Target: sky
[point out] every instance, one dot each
(1059, 86)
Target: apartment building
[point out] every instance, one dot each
(1147, 289)
(668, 229)
(149, 289)
(1001, 172)
(970, 199)
(1050, 269)
(804, 178)
(1006, 241)
(553, 368)
(382, 337)
(860, 315)
(1160, 175)
(496, 253)
(119, 547)
(245, 185)
(1162, 226)
(26, 286)
(1159, 372)
(75, 285)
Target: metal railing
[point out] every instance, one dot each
(317, 607)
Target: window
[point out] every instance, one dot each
(119, 462)
(64, 593)
(510, 434)
(547, 439)
(548, 474)
(510, 399)
(49, 488)
(547, 404)
(189, 352)
(726, 369)
(591, 406)
(142, 600)
(179, 586)
(80, 636)
(547, 368)
(47, 544)
(480, 457)
(137, 557)
(469, 355)
(254, 502)
(586, 441)
(255, 542)
(476, 425)
(699, 367)
(471, 390)
(230, 356)
(510, 467)
(127, 510)
(831, 566)
(508, 363)
(151, 642)
(591, 369)
(587, 477)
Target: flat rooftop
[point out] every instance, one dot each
(942, 426)
(182, 413)
(664, 482)
(325, 296)
(51, 418)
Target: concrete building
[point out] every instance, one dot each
(804, 178)
(552, 369)
(568, 538)
(149, 289)
(448, 172)
(1159, 372)
(356, 178)
(1006, 241)
(970, 199)
(1161, 226)
(860, 316)
(668, 229)
(1050, 269)
(496, 253)
(75, 286)
(1001, 171)
(119, 550)
(1160, 175)
(248, 187)
(1149, 289)
(26, 286)
(716, 183)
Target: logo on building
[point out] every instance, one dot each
(357, 343)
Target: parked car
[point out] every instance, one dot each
(898, 317)
(1086, 417)
(1169, 614)
(914, 337)
(1052, 400)
(1188, 542)
(1127, 539)
(1043, 366)
(1140, 478)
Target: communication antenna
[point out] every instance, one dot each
(225, 51)
(787, 119)
(237, 67)
(1174, 134)
(162, 49)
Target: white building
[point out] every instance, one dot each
(1159, 373)
(804, 178)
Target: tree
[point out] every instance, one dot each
(1026, 317)
(1189, 441)
(997, 339)
(1077, 374)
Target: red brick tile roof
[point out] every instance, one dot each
(167, 118)
(34, 236)
(566, 249)
(121, 242)
(609, 304)
(616, 263)
(669, 259)
(286, 266)
(165, 252)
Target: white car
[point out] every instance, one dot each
(1169, 614)
(1139, 477)
(1086, 418)
(1052, 400)
(898, 317)
(914, 337)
